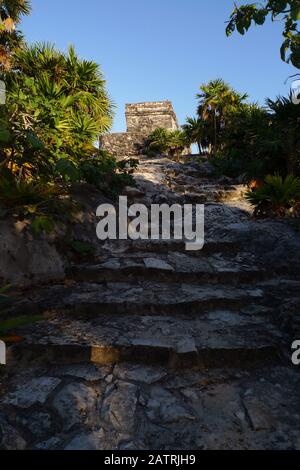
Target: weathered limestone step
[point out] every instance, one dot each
(90, 299)
(219, 338)
(172, 267)
(199, 194)
(167, 246)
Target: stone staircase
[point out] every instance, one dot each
(151, 347)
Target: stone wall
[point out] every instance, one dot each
(141, 120)
(146, 117)
(123, 144)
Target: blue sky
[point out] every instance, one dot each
(163, 49)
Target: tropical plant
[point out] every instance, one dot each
(57, 106)
(255, 141)
(157, 142)
(217, 102)
(285, 124)
(276, 196)
(244, 16)
(163, 141)
(196, 132)
(11, 12)
(176, 143)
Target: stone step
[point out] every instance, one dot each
(171, 267)
(211, 193)
(211, 246)
(217, 339)
(91, 299)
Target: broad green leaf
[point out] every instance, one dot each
(67, 169)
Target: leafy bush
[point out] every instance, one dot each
(57, 107)
(162, 141)
(25, 193)
(11, 12)
(101, 170)
(276, 196)
(82, 248)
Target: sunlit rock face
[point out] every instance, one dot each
(141, 120)
(146, 117)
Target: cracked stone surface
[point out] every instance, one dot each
(36, 391)
(120, 406)
(76, 403)
(152, 347)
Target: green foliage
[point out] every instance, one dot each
(25, 193)
(11, 12)
(162, 141)
(196, 131)
(9, 324)
(277, 191)
(246, 139)
(277, 195)
(82, 248)
(261, 141)
(101, 170)
(243, 17)
(216, 104)
(42, 224)
(57, 107)
(157, 142)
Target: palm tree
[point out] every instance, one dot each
(196, 131)
(158, 142)
(57, 107)
(177, 143)
(11, 12)
(285, 123)
(80, 83)
(216, 101)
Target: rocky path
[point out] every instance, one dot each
(153, 347)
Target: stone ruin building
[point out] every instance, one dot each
(141, 120)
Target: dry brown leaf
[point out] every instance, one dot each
(9, 25)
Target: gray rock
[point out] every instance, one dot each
(156, 263)
(164, 407)
(206, 169)
(139, 373)
(132, 192)
(113, 264)
(33, 392)
(260, 417)
(88, 372)
(10, 439)
(88, 441)
(76, 404)
(120, 406)
(190, 394)
(24, 260)
(186, 345)
(50, 444)
(40, 424)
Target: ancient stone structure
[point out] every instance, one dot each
(141, 120)
(146, 117)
